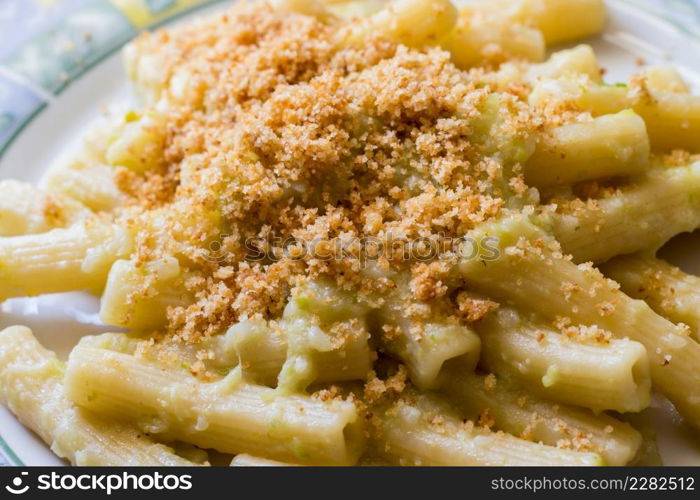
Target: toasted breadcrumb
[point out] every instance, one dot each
(473, 309)
(490, 382)
(486, 419)
(376, 389)
(280, 134)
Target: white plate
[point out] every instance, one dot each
(59, 320)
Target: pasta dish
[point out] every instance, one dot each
(359, 232)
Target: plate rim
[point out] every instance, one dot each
(10, 457)
(50, 96)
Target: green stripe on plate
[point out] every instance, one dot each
(9, 455)
(56, 56)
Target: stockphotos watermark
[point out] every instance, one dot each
(364, 249)
(103, 483)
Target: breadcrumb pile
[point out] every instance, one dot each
(280, 136)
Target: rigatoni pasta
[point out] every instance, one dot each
(91, 184)
(672, 116)
(479, 39)
(510, 408)
(75, 258)
(577, 62)
(32, 386)
(580, 365)
(24, 209)
(363, 232)
(244, 460)
(415, 23)
(229, 415)
(641, 216)
(262, 351)
(138, 298)
(608, 146)
(665, 79)
(667, 289)
(422, 430)
(579, 294)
